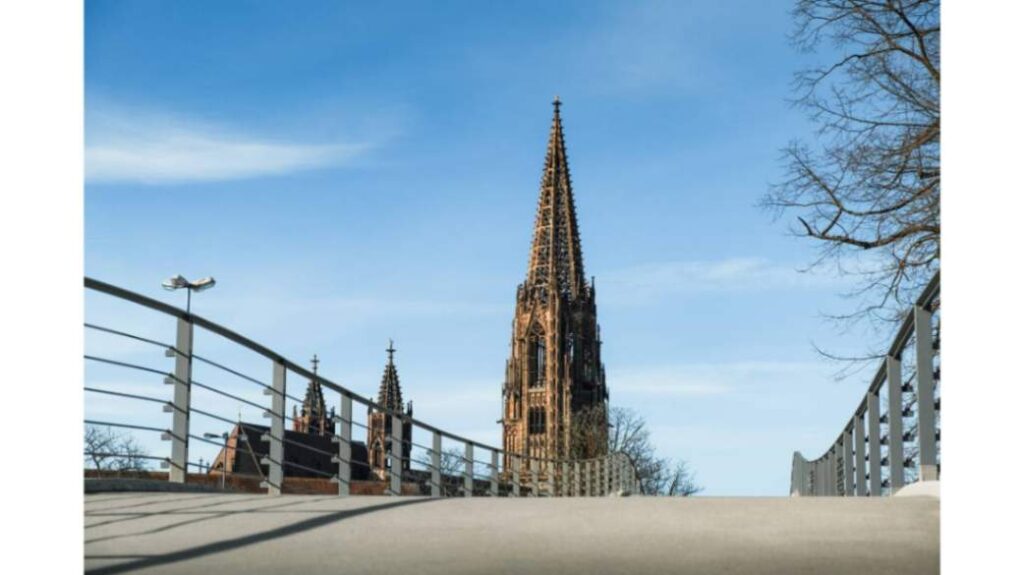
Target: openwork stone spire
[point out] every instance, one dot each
(556, 259)
(390, 394)
(379, 432)
(554, 394)
(314, 417)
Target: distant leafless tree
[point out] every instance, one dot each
(587, 433)
(108, 450)
(628, 433)
(453, 464)
(867, 189)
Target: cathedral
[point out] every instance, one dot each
(554, 395)
(309, 440)
(379, 432)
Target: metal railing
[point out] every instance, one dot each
(471, 476)
(878, 452)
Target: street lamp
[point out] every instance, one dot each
(224, 461)
(179, 282)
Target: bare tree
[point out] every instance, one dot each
(586, 439)
(132, 456)
(108, 450)
(627, 433)
(868, 190)
(100, 447)
(453, 463)
(681, 482)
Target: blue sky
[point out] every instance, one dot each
(353, 173)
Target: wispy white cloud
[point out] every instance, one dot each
(650, 281)
(144, 146)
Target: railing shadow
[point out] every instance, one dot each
(246, 540)
(179, 511)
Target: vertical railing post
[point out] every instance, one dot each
(344, 441)
(815, 478)
(395, 455)
(275, 454)
(894, 377)
(549, 468)
(825, 472)
(467, 474)
(804, 476)
(859, 442)
(874, 445)
(516, 475)
(534, 484)
(182, 380)
(837, 468)
(829, 473)
(577, 480)
(494, 473)
(805, 472)
(435, 466)
(925, 350)
(615, 463)
(602, 476)
(588, 478)
(821, 477)
(564, 486)
(848, 462)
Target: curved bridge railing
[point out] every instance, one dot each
(878, 452)
(449, 465)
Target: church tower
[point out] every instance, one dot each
(554, 397)
(314, 417)
(378, 438)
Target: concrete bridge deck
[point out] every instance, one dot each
(243, 533)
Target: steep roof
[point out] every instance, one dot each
(390, 394)
(556, 258)
(313, 404)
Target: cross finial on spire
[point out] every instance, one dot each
(316, 362)
(391, 351)
(557, 103)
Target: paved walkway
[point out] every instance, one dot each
(219, 534)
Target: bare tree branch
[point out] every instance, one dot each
(868, 191)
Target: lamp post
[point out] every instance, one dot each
(179, 282)
(183, 372)
(224, 461)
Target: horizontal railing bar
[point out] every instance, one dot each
(207, 440)
(213, 416)
(122, 394)
(125, 426)
(235, 337)
(126, 364)
(231, 371)
(308, 447)
(927, 297)
(229, 395)
(310, 469)
(128, 335)
(123, 455)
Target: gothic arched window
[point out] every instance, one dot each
(537, 420)
(538, 360)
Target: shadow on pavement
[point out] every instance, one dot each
(204, 515)
(246, 540)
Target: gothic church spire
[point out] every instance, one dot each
(556, 259)
(390, 394)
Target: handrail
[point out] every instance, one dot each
(235, 337)
(831, 458)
